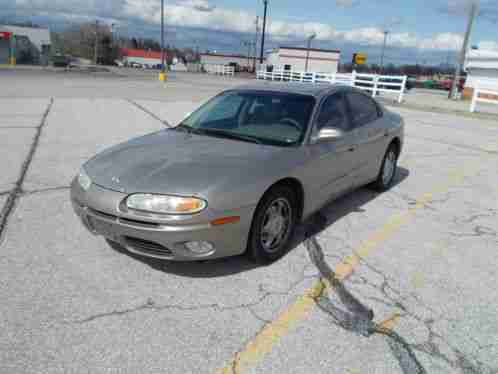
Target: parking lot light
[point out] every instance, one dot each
(162, 75)
(310, 38)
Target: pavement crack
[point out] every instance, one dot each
(462, 146)
(18, 127)
(356, 317)
(391, 297)
(42, 190)
(478, 231)
(153, 115)
(490, 213)
(3, 193)
(150, 304)
(14, 194)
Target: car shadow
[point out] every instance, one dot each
(320, 221)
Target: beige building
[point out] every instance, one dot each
(294, 58)
(225, 59)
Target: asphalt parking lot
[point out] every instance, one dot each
(422, 256)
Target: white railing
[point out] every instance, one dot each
(476, 98)
(369, 82)
(219, 69)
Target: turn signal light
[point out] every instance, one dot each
(225, 220)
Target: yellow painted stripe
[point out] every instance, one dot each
(390, 323)
(263, 343)
(265, 340)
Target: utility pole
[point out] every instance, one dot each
(163, 68)
(96, 51)
(383, 52)
(264, 32)
(463, 54)
(255, 44)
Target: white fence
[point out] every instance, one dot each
(369, 82)
(476, 98)
(219, 69)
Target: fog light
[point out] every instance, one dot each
(199, 247)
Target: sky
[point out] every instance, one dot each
(420, 31)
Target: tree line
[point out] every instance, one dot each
(80, 40)
(407, 69)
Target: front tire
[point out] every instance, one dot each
(387, 172)
(273, 225)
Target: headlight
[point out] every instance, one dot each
(84, 180)
(165, 204)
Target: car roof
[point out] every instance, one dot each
(316, 90)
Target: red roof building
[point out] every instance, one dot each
(129, 52)
(142, 57)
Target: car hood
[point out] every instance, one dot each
(174, 162)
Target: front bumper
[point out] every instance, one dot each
(163, 237)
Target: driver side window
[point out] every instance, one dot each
(333, 114)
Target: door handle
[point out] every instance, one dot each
(351, 149)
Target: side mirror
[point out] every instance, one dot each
(328, 134)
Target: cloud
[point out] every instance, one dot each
(489, 45)
(199, 5)
(190, 13)
(346, 3)
(488, 9)
(201, 14)
(442, 41)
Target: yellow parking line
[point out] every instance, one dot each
(263, 343)
(269, 336)
(390, 323)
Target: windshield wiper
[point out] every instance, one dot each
(229, 135)
(183, 127)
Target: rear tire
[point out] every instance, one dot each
(273, 225)
(388, 170)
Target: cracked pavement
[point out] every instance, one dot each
(71, 303)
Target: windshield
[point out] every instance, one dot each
(263, 117)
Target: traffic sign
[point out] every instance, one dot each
(360, 58)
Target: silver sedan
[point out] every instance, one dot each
(238, 174)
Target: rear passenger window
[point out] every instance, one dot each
(363, 109)
(333, 114)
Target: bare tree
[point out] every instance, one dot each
(79, 41)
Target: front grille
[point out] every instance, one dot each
(134, 222)
(99, 213)
(147, 247)
(128, 221)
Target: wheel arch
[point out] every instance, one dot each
(397, 143)
(296, 186)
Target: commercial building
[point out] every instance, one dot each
(482, 71)
(225, 59)
(24, 45)
(141, 57)
(294, 58)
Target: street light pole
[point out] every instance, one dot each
(96, 50)
(255, 44)
(264, 31)
(162, 38)
(463, 53)
(383, 52)
(311, 37)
